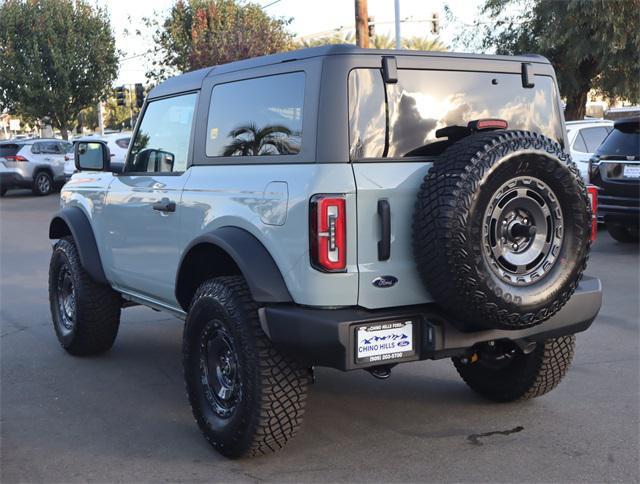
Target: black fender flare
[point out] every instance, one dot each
(73, 221)
(254, 261)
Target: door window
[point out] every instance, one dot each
(161, 144)
(46, 148)
(257, 117)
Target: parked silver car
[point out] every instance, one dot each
(32, 163)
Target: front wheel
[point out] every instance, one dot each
(622, 233)
(85, 314)
(500, 371)
(247, 397)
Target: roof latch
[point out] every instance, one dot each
(527, 75)
(389, 69)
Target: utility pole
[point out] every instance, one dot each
(362, 24)
(101, 118)
(398, 38)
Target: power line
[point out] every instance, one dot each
(272, 3)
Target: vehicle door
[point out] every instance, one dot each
(143, 208)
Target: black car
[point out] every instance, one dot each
(615, 169)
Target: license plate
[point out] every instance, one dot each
(384, 341)
(631, 171)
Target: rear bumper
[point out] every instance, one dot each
(11, 179)
(326, 337)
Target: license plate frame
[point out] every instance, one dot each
(397, 340)
(631, 171)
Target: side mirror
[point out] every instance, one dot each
(92, 156)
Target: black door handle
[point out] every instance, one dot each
(384, 244)
(165, 205)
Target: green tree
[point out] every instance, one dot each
(592, 44)
(201, 33)
(57, 57)
(378, 41)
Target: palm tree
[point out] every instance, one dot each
(250, 140)
(423, 43)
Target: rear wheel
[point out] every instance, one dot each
(503, 373)
(247, 397)
(622, 233)
(42, 184)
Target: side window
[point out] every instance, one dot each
(578, 143)
(257, 117)
(593, 137)
(161, 144)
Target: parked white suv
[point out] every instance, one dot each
(32, 163)
(584, 138)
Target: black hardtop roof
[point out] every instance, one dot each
(192, 81)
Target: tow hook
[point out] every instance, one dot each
(381, 372)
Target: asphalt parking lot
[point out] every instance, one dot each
(124, 416)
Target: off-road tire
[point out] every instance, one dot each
(96, 317)
(622, 233)
(272, 388)
(42, 183)
(449, 220)
(527, 376)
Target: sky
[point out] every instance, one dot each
(309, 18)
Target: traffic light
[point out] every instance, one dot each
(120, 96)
(372, 26)
(435, 23)
(139, 95)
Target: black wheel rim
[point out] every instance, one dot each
(523, 231)
(43, 183)
(219, 370)
(66, 296)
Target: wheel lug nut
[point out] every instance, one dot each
(515, 246)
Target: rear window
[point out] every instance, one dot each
(624, 140)
(593, 137)
(9, 149)
(423, 101)
(257, 117)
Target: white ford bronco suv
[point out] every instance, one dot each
(338, 207)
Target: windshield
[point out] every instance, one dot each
(623, 141)
(423, 101)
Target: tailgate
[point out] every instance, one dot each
(392, 141)
(396, 183)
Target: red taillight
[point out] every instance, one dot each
(16, 158)
(592, 190)
(328, 233)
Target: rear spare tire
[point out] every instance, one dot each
(501, 230)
